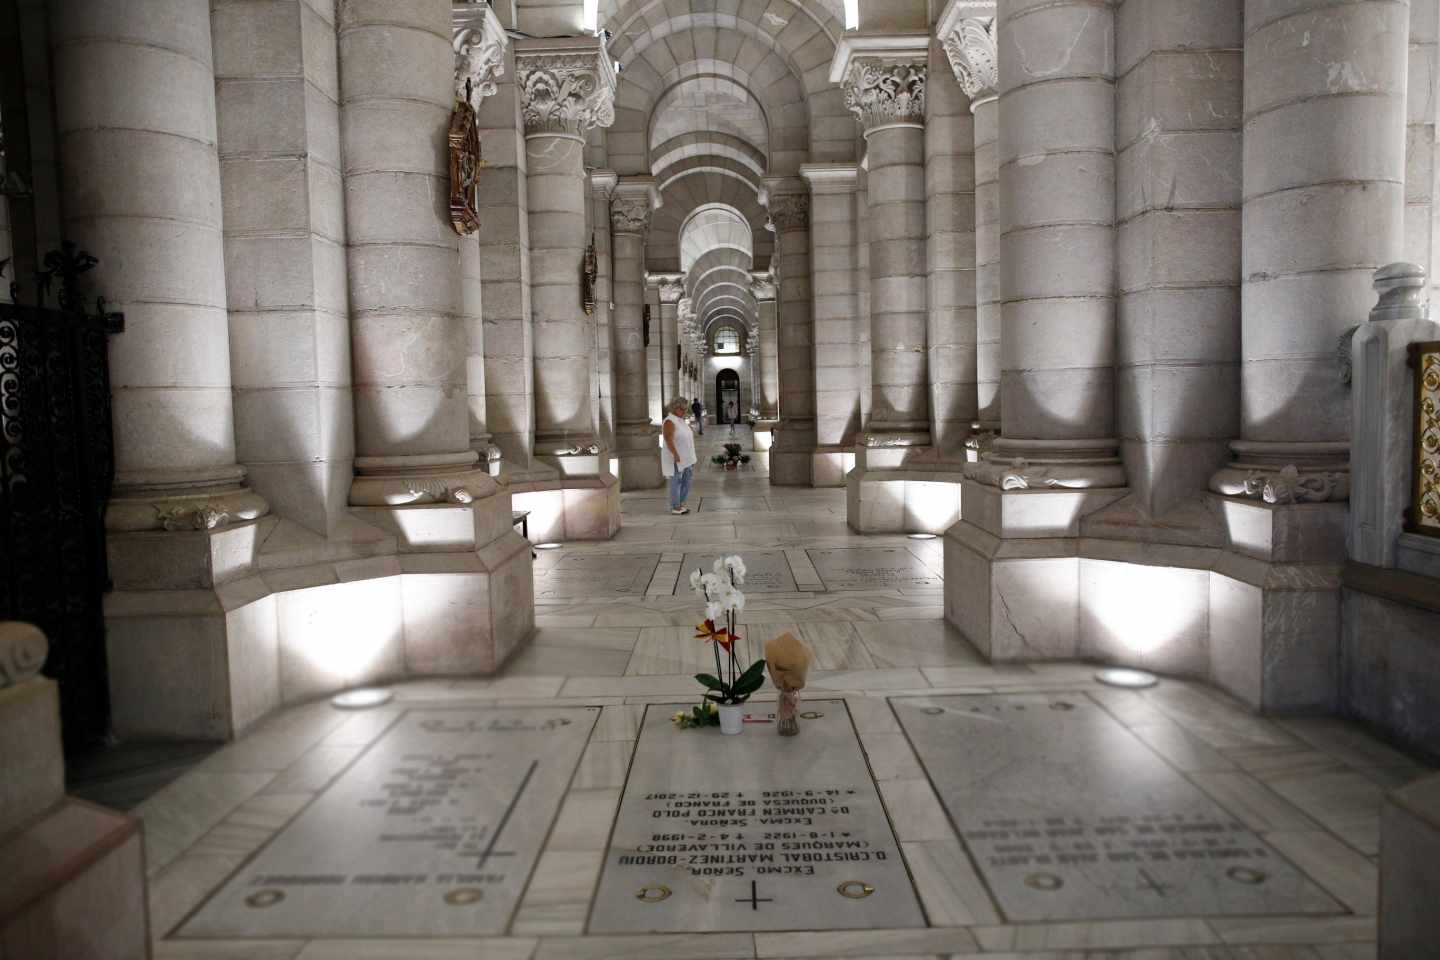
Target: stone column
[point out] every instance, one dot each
(837, 346)
(480, 43)
(1057, 209)
(885, 89)
(762, 286)
(670, 287)
(602, 186)
(791, 455)
(950, 258)
(1324, 206)
(970, 46)
(158, 240)
(412, 433)
(567, 88)
(637, 449)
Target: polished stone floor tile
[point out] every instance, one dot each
(694, 946)
(951, 890)
(752, 832)
(864, 943)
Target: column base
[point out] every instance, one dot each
(903, 501)
(830, 465)
(210, 631)
(1020, 585)
(569, 508)
(178, 502)
(791, 468)
(636, 459)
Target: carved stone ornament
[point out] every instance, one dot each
(1284, 485)
(629, 214)
(587, 279)
(672, 291)
(23, 649)
(564, 93)
(479, 41)
(971, 50)
(457, 487)
(1020, 474)
(790, 211)
(465, 163)
(210, 512)
(762, 289)
(881, 93)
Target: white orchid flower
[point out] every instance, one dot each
(737, 568)
(712, 610)
(695, 583)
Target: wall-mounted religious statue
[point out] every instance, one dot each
(465, 163)
(587, 280)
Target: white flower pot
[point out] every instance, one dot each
(732, 718)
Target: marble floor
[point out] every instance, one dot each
(1035, 813)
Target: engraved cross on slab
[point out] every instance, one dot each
(754, 899)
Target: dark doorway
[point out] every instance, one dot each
(727, 397)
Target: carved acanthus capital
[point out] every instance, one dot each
(23, 649)
(631, 204)
(883, 92)
(629, 214)
(480, 43)
(672, 290)
(790, 211)
(762, 288)
(970, 46)
(566, 86)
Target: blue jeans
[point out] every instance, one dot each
(680, 487)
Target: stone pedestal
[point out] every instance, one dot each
(73, 887)
(1410, 871)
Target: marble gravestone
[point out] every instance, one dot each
(767, 572)
(433, 831)
(1069, 816)
(873, 568)
(755, 832)
(596, 575)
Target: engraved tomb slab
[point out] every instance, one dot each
(873, 568)
(578, 576)
(433, 831)
(764, 572)
(755, 832)
(1069, 816)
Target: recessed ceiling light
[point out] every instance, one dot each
(362, 699)
(1129, 679)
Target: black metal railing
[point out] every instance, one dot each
(56, 470)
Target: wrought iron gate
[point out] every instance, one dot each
(56, 468)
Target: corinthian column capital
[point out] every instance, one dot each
(567, 85)
(970, 46)
(883, 78)
(479, 41)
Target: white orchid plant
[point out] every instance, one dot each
(732, 682)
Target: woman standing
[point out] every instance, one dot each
(677, 455)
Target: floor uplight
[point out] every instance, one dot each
(921, 536)
(548, 546)
(1129, 679)
(362, 698)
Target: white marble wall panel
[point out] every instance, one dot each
(278, 117)
(950, 214)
